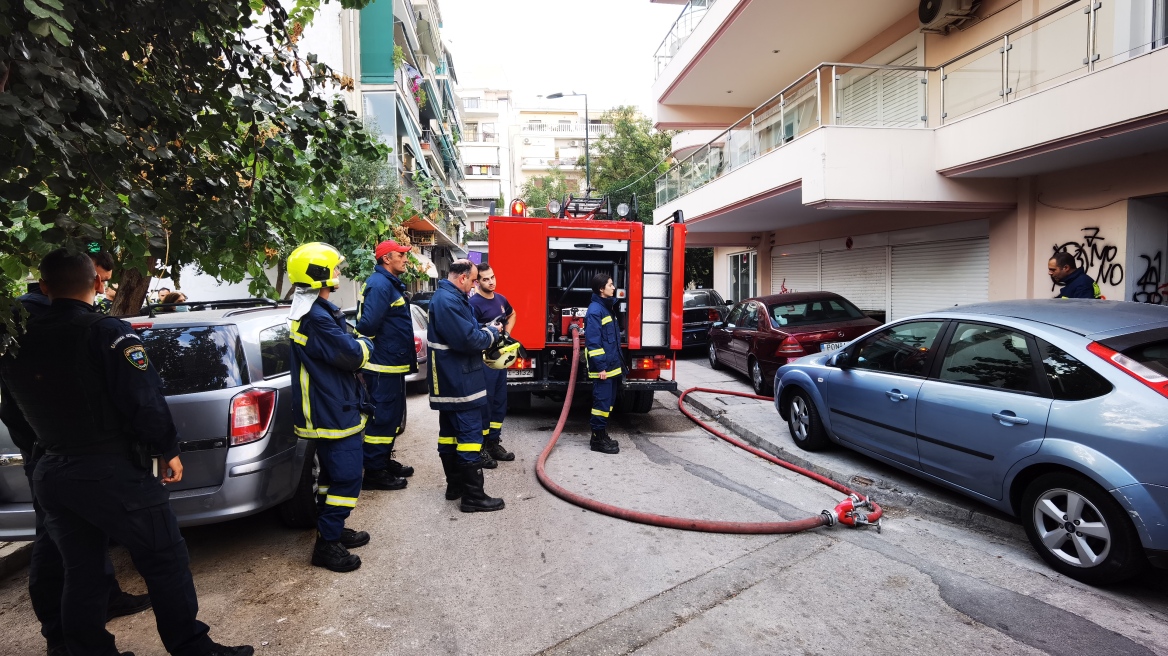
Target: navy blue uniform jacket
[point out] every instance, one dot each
(602, 338)
(383, 315)
(1079, 285)
(325, 360)
(456, 343)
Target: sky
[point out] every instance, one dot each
(538, 47)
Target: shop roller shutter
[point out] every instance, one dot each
(859, 275)
(798, 273)
(939, 275)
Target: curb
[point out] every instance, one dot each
(888, 492)
(14, 556)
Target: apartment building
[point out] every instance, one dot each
(486, 151)
(915, 155)
(549, 134)
(409, 97)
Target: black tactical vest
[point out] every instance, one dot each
(61, 390)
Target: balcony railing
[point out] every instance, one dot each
(686, 23)
(1070, 40)
(549, 162)
(594, 129)
(482, 137)
(476, 169)
(859, 94)
(480, 105)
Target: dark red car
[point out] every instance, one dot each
(764, 333)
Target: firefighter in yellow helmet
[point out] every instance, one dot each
(329, 401)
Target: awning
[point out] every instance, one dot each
(421, 224)
(427, 264)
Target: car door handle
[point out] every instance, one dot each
(1009, 419)
(896, 395)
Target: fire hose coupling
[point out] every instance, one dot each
(848, 512)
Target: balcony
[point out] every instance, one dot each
(476, 171)
(549, 163)
(691, 15)
(568, 129)
(482, 106)
(858, 95)
(482, 137)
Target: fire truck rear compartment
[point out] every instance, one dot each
(570, 275)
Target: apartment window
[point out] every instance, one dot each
(482, 170)
(471, 103)
(742, 268)
(489, 133)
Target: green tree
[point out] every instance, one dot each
(165, 131)
(540, 189)
(699, 267)
(627, 162)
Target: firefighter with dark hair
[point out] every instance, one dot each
(602, 344)
(383, 315)
(329, 405)
(82, 386)
(489, 305)
(458, 388)
(1065, 271)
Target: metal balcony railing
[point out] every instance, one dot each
(476, 169)
(481, 137)
(594, 129)
(480, 104)
(1070, 40)
(550, 162)
(692, 14)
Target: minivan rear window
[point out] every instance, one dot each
(195, 358)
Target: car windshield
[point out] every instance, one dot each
(814, 311)
(195, 358)
(696, 299)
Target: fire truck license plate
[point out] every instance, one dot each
(521, 373)
(831, 346)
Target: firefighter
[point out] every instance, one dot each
(328, 399)
(458, 389)
(602, 344)
(83, 386)
(489, 305)
(383, 313)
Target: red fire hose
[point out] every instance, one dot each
(847, 512)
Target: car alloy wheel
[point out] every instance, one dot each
(1072, 528)
(807, 430)
(756, 379)
(797, 418)
(714, 364)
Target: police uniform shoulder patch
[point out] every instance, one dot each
(136, 355)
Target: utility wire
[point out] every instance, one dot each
(642, 176)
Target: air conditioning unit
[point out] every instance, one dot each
(527, 142)
(573, 143)
(939, 16)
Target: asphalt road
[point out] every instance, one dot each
(543, 576)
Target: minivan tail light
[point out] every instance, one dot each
(251, 414)
(789, 347)
(1132, 368)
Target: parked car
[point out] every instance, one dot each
(762, 334)
(225, 374)
(421, 300)
(415, 382)
(1051, 410)
(700, 309)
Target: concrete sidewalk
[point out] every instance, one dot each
(758, 423)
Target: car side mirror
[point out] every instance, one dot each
(842, 359)
(729, 303)
(718, 324)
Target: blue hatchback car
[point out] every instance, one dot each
(1052, 410)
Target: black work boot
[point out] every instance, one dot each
(223, 650)
(381, 479)
(495, 449)
(474, 499)
(453, 476)
(397, 469)
(334, 556)
(351, 539)
(123, 603)
(486, 460)
(603, 443)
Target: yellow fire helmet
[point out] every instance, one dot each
(312, 265)
(504, 354)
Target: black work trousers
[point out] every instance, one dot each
(86, 499)
(46, 576)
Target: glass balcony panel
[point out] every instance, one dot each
(881, 98)
(716, 159)
(701, 166)
(1124, 29)
(973, 82)
(739, 144)
(767, 127)
(1048, 51)
(801, 112)
(686, 175)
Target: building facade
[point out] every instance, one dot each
(486, 152)
(912, 162)
(549, 134)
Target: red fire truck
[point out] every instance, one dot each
(546, 265)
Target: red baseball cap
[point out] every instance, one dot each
(389, 246)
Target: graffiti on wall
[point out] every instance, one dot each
(1099, 260)
(1148, 287)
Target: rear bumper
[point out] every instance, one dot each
(696, 336)
(248, 488)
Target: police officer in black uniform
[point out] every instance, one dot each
(82, 384)
(46, 572)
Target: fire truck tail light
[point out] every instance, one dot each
(652, 362)
(523, 363)
(790, 347)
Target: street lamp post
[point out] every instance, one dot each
(587, 158)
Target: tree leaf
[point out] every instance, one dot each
(40, 26)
